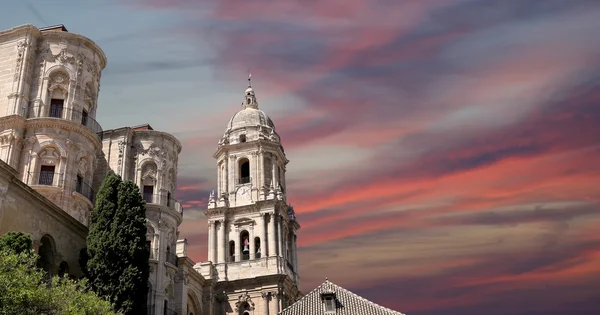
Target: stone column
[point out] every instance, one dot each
(219, 180)
(265, 297)
(280, 235)
(251, 241)
(277, 302)
(211, 226)
(295, 253)
(221, 242)
(231, 173)
(261, 170)
(238, 243)
(214, 245)
(272, 238)
(263, 237)
(275, 173)
(225, 176)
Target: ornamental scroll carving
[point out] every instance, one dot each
(149, 170)
(80, 61)
(244, 298)
(121, 145)
(59, 80)
(20, 56)
(64, 57)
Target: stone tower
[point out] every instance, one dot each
(251, 229)
(49, 83)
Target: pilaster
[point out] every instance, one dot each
(272, 239)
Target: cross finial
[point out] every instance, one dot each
(249, 78)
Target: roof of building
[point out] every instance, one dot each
(347, 303)
(58, 27)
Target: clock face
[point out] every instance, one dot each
(243, 193)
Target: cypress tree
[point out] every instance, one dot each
(118, 258)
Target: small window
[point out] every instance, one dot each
(329, 304)
(84, 118)
(46, 175)
(56, 107)
(249, 100)
(242, 138)
(244, 171)
(149, 193)
(79, 184)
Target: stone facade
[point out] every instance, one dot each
(57, 236)
(252, 257)
(149, 158)
(49, 83)
(56, 156)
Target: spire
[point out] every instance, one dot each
(249, 97)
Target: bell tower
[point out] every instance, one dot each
(251, 229)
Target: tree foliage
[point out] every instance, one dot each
(118, 258)
(16, 241)
(24, 290)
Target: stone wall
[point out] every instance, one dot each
(24, 209)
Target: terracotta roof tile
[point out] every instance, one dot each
(347, 303)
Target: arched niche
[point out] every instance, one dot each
(47, 254)
(149, 181)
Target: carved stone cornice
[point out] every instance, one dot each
(64, 124)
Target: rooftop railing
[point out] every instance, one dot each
(85, 190)
(163, 200)
(172, 259)
(44, 179)
(78, 116)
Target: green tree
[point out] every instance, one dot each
(16, 241)
(118, 258)
(24, 290)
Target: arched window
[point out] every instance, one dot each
(245, 245)
(257, 247)
(46, 255)
(242, 138)
(231, 251)
(244, 171)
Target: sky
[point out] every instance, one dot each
(444, 154)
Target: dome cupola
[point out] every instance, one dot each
(250, 123)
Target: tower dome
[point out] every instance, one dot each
(250, 123)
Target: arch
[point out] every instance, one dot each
(149, 180)
(257, 250)
(42, 145)
(245, 245)
(232, 251)
(47, 253)
(193, 304)
(59, 78)
(244, 308)
(244, 171)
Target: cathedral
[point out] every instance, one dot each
(54, 156)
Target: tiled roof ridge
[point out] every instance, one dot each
(305, 296)
(362, 298)
(337, 287)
